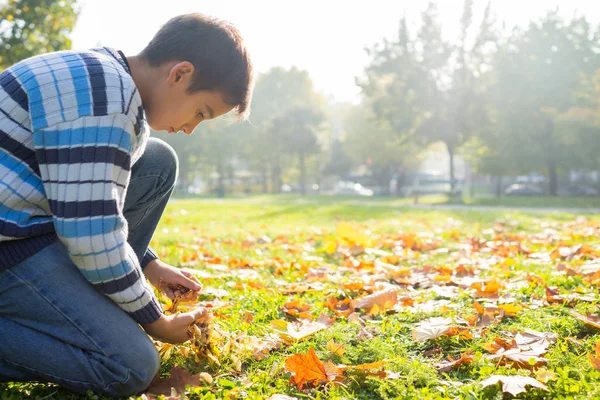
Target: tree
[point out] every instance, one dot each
(538, 74)
(454, 102)
(298, 129)
(277, 91)
(428, 89)
(32, 27)
(372, 142)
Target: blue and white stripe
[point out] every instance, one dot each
(71, 126)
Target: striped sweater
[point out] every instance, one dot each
(71, 126)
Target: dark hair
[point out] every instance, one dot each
(217, 51)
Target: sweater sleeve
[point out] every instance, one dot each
(85, 168)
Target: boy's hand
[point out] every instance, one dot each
(174, 328)
(170, 279)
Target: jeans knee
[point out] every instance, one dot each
(140, 372)
(168, 159)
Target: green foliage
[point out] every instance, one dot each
(32, 27)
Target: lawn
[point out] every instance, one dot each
(317, 298)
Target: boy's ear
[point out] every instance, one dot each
(180, 72)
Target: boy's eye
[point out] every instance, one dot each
(200, 114)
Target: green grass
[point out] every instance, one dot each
(581, 202)
(538, 201)
(300, 230)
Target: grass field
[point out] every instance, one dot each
(581, 202)
(380, 273)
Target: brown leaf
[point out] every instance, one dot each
(308, 369)
(590, 319)
(520, 359)
(534, 340)
(499, 345)
(378, 302)
(513, 384)
(446, 366)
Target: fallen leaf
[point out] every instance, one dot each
(341, 308)
(446, 366)
(336, 348)
(590, 319)
(513, 384)
(511, 309)
(521, 359)
(534, 340)
(544, 375)
(431, 329)
(261, 347)
(308, 369)
(296, 309)
(595, 360)
(291, 332)
(378, 302)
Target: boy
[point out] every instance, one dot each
(82, 191)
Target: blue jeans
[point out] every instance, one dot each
(56, 327)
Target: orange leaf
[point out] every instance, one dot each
(478, 307)
(445, 366)
(341, 308)
(596, 360)
(297, 309)
(308, 369)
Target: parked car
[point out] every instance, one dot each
(584, 190)
(428, 186)
(351, 188)
(522, 189)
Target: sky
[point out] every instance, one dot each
(325, 37)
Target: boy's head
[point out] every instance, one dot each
(205, 71)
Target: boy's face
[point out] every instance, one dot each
(173, 109)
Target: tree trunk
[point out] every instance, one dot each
(263, 176)
(451, 166)
(302, 174)
(553, 177)
(400, 178)
(231, 177)
(551, 161)
(499, 186)
(275, 175)
(220, 179)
